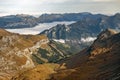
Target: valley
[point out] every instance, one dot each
(38, 28)
(59, 39)
(74, 46)
(98, 62)
(22, 52)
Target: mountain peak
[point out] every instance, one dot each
(103, 42)
(106, 34)
(117, 14)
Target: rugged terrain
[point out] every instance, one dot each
(101, 61)
(21, 52)
(78, 35)
(82, 33)
(37, 57)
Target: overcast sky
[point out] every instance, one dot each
(58, 6)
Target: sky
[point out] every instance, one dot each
(37, 7)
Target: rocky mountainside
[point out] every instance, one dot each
(21, 52)
(101, 61)
(82, 33)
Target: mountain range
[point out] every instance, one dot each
(67, 17)
(85, 50)
(100, 61)
(27, 21)
(82, 33)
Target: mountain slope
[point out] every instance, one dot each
(98, 62)
(21, 52)
(4, 32)
(101, 61)
(82, 33)
(40, 72)
(15, 52)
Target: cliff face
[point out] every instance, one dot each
(21, 52)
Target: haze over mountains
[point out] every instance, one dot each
(85, 48)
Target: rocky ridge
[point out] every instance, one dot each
(98, 62)
(22, 52)
(82, 33)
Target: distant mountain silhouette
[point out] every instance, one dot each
(17, 21)
(27, 21)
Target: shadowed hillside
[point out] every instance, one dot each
(100, 61)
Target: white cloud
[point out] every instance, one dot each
(59, 40)
(39, 28)
(88, 39)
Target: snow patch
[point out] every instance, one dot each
(59, 40)
(88, 39)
